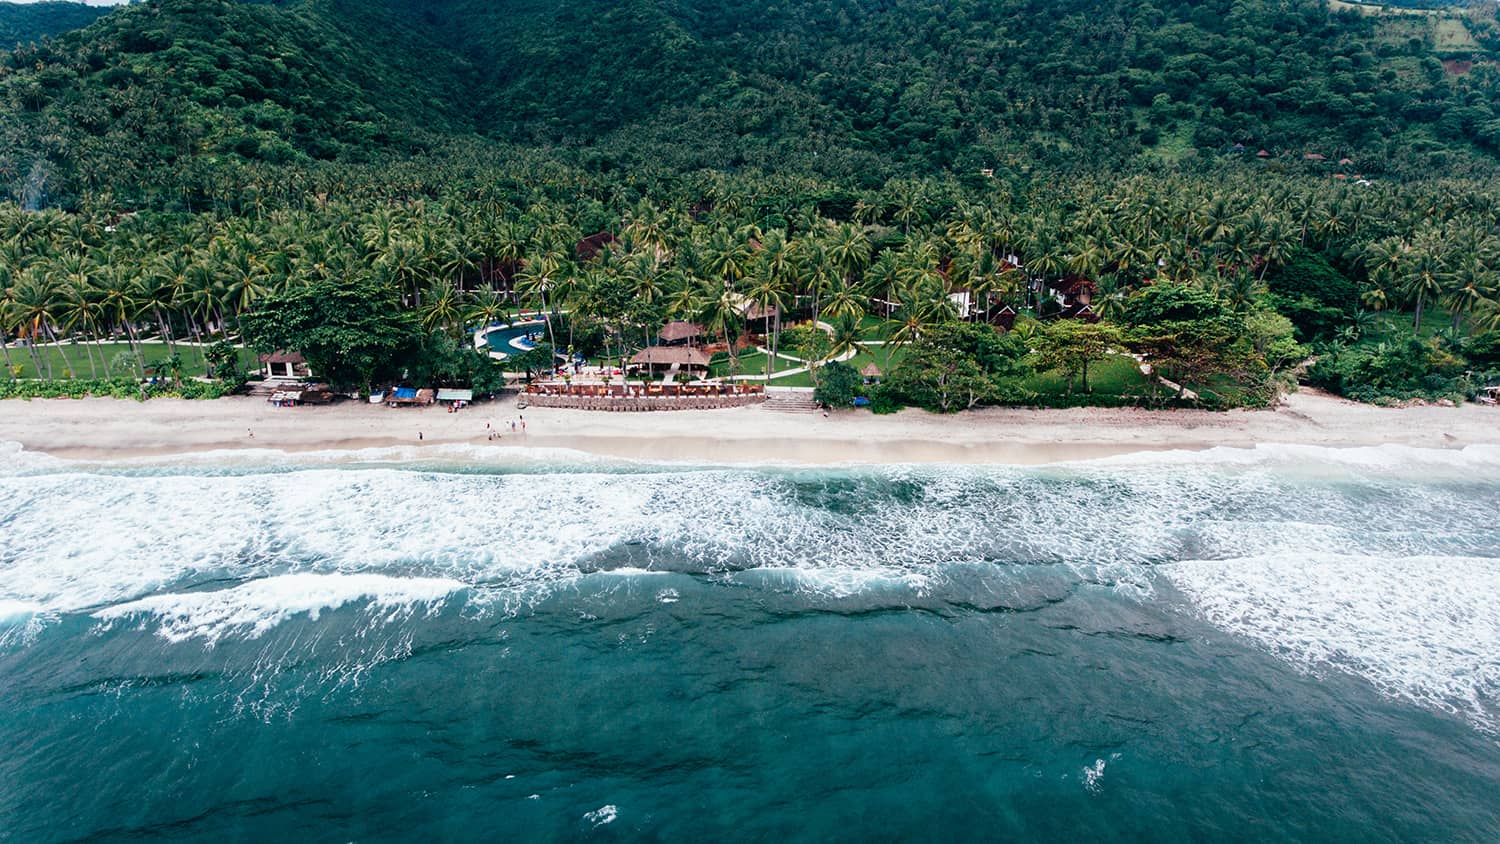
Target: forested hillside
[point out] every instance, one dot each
(21, 23)
(158, 100)
(922, 84)
(178, 90)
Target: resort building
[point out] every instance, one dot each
(662, 359)
(284, 365)
(678, 332)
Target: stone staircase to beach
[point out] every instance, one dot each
(791, 403)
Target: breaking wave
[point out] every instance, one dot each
(1366, 560)
(253, 608)
(1422, 628)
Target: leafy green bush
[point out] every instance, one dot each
(1391, 372)
(119, 388)
(837, 383)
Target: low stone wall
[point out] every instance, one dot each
(630, 404)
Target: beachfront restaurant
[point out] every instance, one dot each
(656, 360)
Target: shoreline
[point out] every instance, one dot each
(110, 429)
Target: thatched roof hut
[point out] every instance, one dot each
(870, 370)
(755, 312)
(662, 357)
(677, 331)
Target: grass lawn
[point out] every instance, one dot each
(1450, 34)
(882, 356)
(103, 353)
(1116, 375)
(754, 363)
(1395, 326)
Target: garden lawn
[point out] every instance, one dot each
(1116, 375)
(77, 356)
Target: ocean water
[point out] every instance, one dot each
(472, 644)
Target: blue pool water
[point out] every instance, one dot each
(512, 338)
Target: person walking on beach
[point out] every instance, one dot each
(419, 436)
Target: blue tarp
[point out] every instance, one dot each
(404, 393)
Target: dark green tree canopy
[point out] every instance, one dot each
(179, 98)
(351, 334)
(959, 365)
(837, 384)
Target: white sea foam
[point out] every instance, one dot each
(77, 540)
(253, 608)
(1094, 774)
(1387, 457)
(602, 815)
(16, 459)
(17, 610)
(137, 544)
(1422, 628)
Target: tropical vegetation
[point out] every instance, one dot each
(929, 185)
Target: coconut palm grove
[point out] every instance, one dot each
(931, 204)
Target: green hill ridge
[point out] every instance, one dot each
(852, 90)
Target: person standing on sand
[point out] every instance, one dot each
(249, 433)
(419, 436)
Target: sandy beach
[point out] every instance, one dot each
(106, 428)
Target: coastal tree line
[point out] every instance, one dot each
(1332, 258)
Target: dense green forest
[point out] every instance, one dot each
(1250, 192)
(155, 100)
(22, 23)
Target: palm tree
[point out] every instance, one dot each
(244, 278)
(170, 284)
(771, 292)
(32, 309)
(488, 308)
(70, 280)
(721, 314)
(443, 308)
(82, 314)
(1424, 276)
(849, 250)
(118, 292)
(905, 328)
(1470, 283)
(843, 302)
(535, 280)
(727, 257)
(846, 339)
(8, 317)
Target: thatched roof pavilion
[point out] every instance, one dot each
(678, 331)
(664, 357)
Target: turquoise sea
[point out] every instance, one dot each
(472, 644)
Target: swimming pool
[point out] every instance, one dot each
(513, 339)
